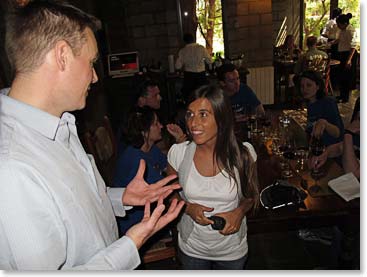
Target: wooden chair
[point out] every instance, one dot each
(164, 248)
(101, 143)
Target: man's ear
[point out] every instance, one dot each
(222, 84)
(62, 52)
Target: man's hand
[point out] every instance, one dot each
(138, 192)
(151, 223)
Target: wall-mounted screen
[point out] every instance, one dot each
(123, 64)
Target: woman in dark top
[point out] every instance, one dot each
(323, 118)
(138, 141)
(143, 131)
(347, 151)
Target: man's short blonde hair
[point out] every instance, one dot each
(34, 29)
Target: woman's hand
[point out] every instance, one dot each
(354, 126)
(234, 218)
(176, 132)
(319, 128)
(196, 211)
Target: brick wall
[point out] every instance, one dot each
(148, 26)
(249, 30)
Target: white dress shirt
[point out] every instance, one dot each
(54, 209)
(330, 29)
(346, 39)
(193, 58)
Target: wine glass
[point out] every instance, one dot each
(317, 147)
(253, 121)
(302, 155)
(288, 154)
(264, 124)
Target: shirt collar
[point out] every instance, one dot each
(34, 118)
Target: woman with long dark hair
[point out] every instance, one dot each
(219, 178)
(348, 149)
(323, 118)
(142, 132)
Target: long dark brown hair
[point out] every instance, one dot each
(139, 122)
(229, 153)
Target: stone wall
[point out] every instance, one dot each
(249, 30)
(147, 26)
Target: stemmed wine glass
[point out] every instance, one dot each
(302, 155)
(253, 121)
(288, 153)
(264, 120)
(317, 147)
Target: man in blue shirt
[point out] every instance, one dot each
(243, 99)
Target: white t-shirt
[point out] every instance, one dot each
(220, 193)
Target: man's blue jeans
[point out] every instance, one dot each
(191, 263)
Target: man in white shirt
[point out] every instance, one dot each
(330, 30)
(192, 58)
(55, 210)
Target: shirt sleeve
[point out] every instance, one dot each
(175, 154)
(120, 255)
(353, 34)
(33, 235)
(207, 57)
(115, 196)
(332, 115)
(249, 96)
(251, 149)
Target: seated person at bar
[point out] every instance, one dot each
(289, 49)
(143, 131)
(241, 95)
(312, 55)
(323, 118)
(149, 95)
(348, 149)
(56, 213)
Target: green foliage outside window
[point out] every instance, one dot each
(210, 24)
(317, 13)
